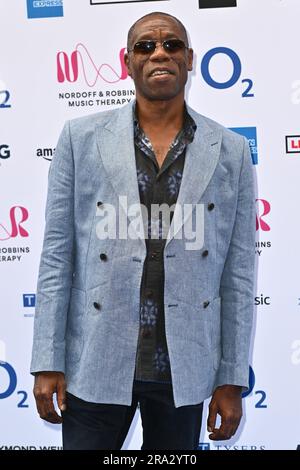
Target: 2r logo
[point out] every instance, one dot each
(236, 72)
(16, 228)
(12, 385)
(260, 214)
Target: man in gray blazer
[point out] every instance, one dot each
(145, 288)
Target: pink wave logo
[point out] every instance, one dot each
(68, 67)
(18, 215)
(263, 209)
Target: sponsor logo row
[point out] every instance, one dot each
(54, 8)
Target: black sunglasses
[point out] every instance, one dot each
(147, 47)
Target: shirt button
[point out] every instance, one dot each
(99, 203)
(146, 334)
(97, 305)
(154, 255)
(149, 293)
(103, 257)
(205, 304)
(210, 206)
(205, 253)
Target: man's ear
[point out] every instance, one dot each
(127, 63)
(190, 59)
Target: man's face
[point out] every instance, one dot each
(159, 75)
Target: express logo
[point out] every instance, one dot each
(236, 71)
(17, 216)
(44, 8)
(68, 67)
(9, 383)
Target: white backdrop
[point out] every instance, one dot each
(253, 82)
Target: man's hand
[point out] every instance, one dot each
(227, 402)
(45, 385)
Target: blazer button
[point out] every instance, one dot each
(103, 257)
(210, 206)
(205, 304)
(99, 203)
(97, 305)
(205, 253)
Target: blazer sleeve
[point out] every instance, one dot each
(56, 264)
(237, 284)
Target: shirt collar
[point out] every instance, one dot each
(186, 135)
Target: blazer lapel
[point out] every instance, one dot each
(116, 146)
(201, 159)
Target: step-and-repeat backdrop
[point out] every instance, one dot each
(60, 59)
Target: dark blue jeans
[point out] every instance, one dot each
(95, 426)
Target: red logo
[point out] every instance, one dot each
(263, 209)
(18, 215)
(68, 67)
(292, 143)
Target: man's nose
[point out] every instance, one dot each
(159, 53)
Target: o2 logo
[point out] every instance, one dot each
(260, 393)
(12, 385)
(4, 99)
(236, 71)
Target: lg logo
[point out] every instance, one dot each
(236, 71)
(4, 151)
(9, 389)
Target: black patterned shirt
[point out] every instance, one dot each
(156, 186)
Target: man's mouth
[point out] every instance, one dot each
(160, 72)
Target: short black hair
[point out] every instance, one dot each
(155, 13)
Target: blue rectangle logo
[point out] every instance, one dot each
(28, 300)
(251, 135)
(44, 8)
(203, 446)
